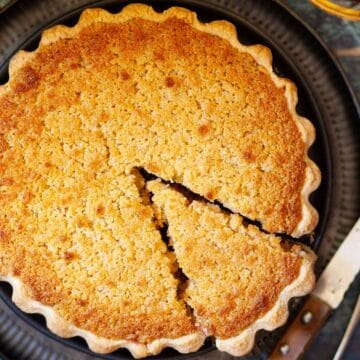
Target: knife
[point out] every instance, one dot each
(327, 296)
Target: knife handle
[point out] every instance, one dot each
(302, 331)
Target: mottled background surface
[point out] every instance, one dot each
(343, 37)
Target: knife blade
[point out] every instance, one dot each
(341, 271)
(327, 296)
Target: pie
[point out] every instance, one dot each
(82, 232)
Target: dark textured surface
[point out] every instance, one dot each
(335, 112)
(343, 37)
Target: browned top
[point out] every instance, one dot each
(236, 273)
(86, 110)
(181, 103)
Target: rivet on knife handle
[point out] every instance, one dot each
(302, 330)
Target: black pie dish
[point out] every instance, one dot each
(325, 98)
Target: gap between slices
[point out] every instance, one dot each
(148, 176)
(190, 195)
(291, 272)
(141, 179)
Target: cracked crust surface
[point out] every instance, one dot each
(240, 279)
(93, 102)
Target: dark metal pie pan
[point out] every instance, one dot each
(325, 97)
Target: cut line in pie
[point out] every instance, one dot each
(239, 279)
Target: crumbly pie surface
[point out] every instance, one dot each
(239, 278)
(79, 239)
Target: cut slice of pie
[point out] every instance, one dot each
(240, 279)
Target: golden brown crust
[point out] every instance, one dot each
(240, 279)
(48, 100)
(61, 327)
(243, 343)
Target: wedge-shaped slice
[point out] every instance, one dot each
(240, 279)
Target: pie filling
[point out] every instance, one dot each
(235, 272)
